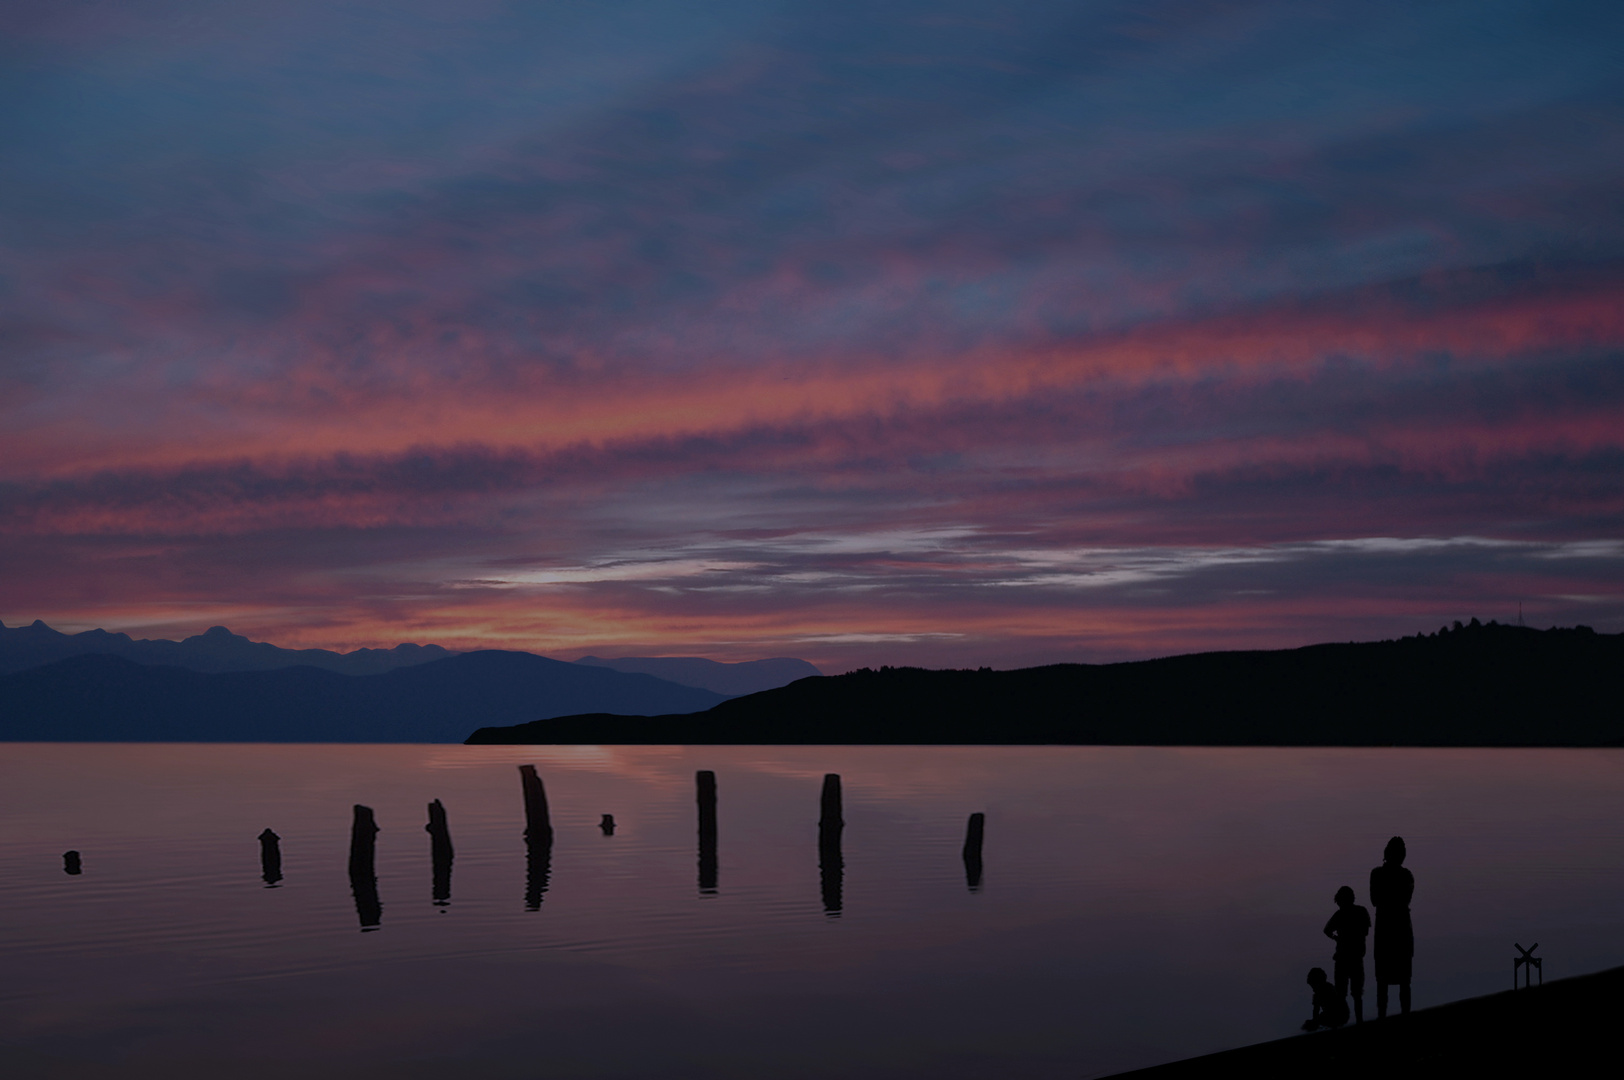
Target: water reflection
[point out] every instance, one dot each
(831, 866)
(363, 874)
(538, 838)
(270, 858)
(705, 787)
(538, 866)
(440, 853)
(972, 851)
(1191, 938)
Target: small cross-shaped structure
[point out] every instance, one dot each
(1529, 963)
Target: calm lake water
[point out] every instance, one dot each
(1138, 905)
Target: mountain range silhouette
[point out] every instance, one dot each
(734, 680)
(99, 685)
(216, 649)
(105, 698)
(1474, 685)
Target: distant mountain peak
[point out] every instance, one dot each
(217, 649)
(219, 637)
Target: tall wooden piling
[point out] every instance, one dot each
(538, 824)
(705, 792)
(831, 864)
(830, 820)
(363, 841)
(440, 853)
(363, 873)
(538, 838)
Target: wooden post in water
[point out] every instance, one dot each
(363, 874)
(538, 824)
(71, 863)
(972, 851)
(831, 864)
(607, 824)
(440, 853)
(830, 820)
(363, 841)
(705, 789)
(538, 838)
(270, 858)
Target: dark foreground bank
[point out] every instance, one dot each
(1565, 1028)
(1471, 686)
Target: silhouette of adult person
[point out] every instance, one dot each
(1348, 928)
(1391, 887)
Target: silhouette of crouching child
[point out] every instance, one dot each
(1330, 1007)
(1348, 928)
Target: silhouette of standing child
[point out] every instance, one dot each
(1391, 887)
(1330, 1007)
(1348, 928)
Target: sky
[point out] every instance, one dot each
(943, 333)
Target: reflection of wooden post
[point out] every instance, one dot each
(270, 858)
(363, 875)
(972, 851)
(831, 865)
(538, 838)
(440, 853)
(538, 825)
(705, 790)
(538, 871)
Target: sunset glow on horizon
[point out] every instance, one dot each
(929, 333)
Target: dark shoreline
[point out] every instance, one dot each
(1475, 686)
(1565, 1028)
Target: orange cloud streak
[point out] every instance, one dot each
(312, 414)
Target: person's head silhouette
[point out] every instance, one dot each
(1317, 977)
(1394, 852)
(1344, 896)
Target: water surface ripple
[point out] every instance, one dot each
(1136, 904)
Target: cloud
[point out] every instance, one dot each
(911, 326)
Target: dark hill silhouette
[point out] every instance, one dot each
(748, 677)
(217, 649)
(1473, 686)
(108, 698)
